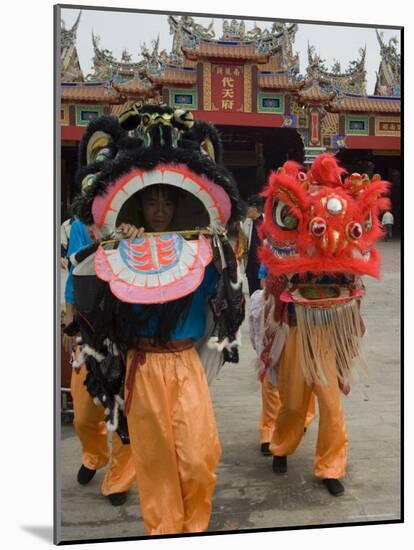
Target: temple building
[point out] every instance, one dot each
(248, 83)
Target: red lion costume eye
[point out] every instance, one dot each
(354, 230)
(317, 227)
(283, 217)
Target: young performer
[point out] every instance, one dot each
(320, 234)
(164, 188)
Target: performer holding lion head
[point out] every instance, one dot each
(319, 236)
(160, 280)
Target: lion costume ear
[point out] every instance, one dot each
(98, 141)
(101, 136)
(207, 139)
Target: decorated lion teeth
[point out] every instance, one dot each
(283, 252)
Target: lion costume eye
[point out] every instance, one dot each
(283, 217)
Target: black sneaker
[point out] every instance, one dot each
(85, 475)
(280, 464)
(334, 486)
(264, 449)
(117, 499)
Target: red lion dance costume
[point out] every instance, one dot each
(319, 234)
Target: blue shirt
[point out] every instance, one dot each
(262, 272)
(78, 239)
(194, 324)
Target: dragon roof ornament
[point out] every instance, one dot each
(352, 80)
(389, 72)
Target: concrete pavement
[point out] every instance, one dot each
(248, 494)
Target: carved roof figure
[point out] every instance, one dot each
(70, 69)
(185, 27)
(389, 72)
(352, 80)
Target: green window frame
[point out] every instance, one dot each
(191, 95)
(80, 109)
(263, 98)
(357, 125)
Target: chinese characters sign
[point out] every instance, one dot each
(227, 88)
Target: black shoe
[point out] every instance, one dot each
(85, 475)
(264, 449)
(117, 499)
(334, 486)
(305, 429)
(279, 464)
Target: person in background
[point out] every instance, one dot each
(254, 217)
(89, 419)
(388, 221)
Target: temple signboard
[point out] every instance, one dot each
(227, 88)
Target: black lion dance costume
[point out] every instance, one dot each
(159, 283)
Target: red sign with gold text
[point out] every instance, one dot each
(227, 88)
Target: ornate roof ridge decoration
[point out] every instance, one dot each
(68, 36)
(106, 66)
(70, 69)
(389, 72)
(353, 79)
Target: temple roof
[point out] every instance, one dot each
(133, 87)
(313, 93)
(367, 104)
(174, 75)
(99, 92)
(245, 51)
(279, 81)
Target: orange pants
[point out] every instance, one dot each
(295, 394)
(270, 407)
(174, 441)
(91, 429)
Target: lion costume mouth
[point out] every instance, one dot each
(106, 208)
(154, 146)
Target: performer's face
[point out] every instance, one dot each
(158, 208)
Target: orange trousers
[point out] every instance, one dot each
(174, 441)
(270, 408)
(91, 429)
(295, 394)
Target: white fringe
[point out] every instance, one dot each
(213, 342)
(113, 426)
(239, 281)
(120, 402)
